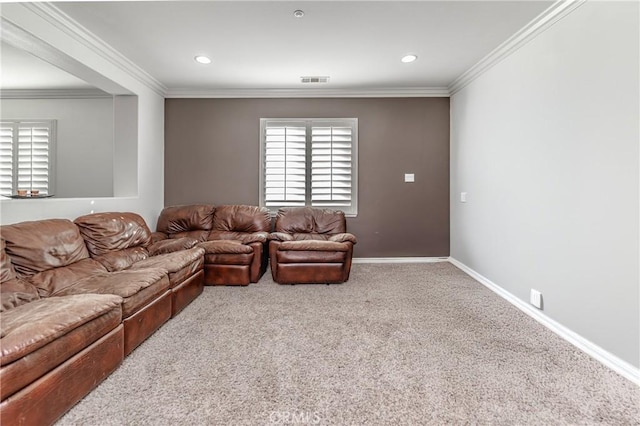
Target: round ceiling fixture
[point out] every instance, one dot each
(409, 58)
(298, 13)
(202, 60)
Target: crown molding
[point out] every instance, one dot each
(541, 23)
(69, 26)
(53, 94)
(408, 92)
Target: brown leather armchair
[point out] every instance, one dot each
(310, 246)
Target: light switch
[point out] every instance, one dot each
(409, 177)
(463, 197)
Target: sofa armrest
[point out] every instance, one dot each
(171, 245)
(158, 236)
(280, 236)
(255, 237)
(343, 238)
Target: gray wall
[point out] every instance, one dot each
(546, 146)
(212, 150)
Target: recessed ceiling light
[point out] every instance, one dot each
(409, 58)
(202, 60)
(298, 13)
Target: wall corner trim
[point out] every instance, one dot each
(68, 25)
(400, 259)
(611, 361)
(538, 25)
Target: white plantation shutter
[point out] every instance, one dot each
(6, 159)
(32, 146)
(285, 165)
(309, 162)
(331, 157)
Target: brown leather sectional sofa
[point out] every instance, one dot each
(77, 297)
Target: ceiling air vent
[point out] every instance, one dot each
(314, 79)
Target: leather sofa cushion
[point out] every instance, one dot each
(225, 247)
(25, 370)
(169, 246)
(178, 219)
(54, 280)
(243, 237)
(42, 245)
(105, 232)
(122, 259)
(31, 326)
(238, 218)
(13, 299)
(6, 268)
(136, 287)
(196, 235)
(314, 245)
(178, 265)
(308, 219)
(309, 256)
(16, 292)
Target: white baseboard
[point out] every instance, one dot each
(618, 365)
(399, 259)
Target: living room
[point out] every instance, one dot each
(525, 163)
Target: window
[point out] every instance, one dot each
(309, 162)
(26, 156)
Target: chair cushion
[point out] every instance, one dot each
(31, 326)
(238, 218)
(107, 232)
(178, 219)
(42, 245)
(225, 247)
(308, 219)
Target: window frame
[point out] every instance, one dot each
(16, 124)
(309, 123)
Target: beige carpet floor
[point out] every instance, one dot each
(399, 344)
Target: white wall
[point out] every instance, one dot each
(546, 145)
(150, 148)
(84, 143)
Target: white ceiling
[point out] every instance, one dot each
(20, 70)
(261, 45)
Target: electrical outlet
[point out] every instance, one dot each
(536, 298)
(463, 197)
